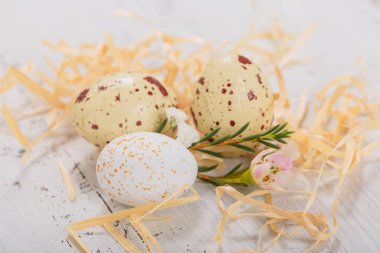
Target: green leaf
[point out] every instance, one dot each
(207, 180)
(206, 168)
(276, 131)
(288, 133)
(268, 144)
(208, 136)
(220, 140)
(280, 128)
(251, 137)
(282, 136)
(162, 125)
(209, 152)
(234, 169)
(281, 141)
(246, 148)
(271, 130)
(242, 129)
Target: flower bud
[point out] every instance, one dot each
(270, 169)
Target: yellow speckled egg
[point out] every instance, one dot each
(118, 104)
(232, 91)
(142, 168)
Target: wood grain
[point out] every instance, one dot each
(35, 209)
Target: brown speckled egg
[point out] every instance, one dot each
(232, 91)
(119, 104)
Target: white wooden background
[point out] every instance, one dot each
(34, 210)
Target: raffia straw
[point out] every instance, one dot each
(179, 70)
(135, 216)
(67, 180)
(14, 127)
(34, 87)
(268, 211)
(322, 153)
(160, 205)
(330, 152)
(127, 245)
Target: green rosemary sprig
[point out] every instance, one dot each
(233, 176)
(242, 129)
(162, 125)
(268, 138)
(202, 169)
(209, 152)
(243, 147)
(233, 170)
(207, 137)
(206, 168)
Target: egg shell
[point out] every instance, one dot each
(142, 168)
(118, 104)
(232, 91)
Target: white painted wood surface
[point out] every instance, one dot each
(34, 207)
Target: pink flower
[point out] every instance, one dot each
(270, 169)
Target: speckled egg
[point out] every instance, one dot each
(118, 104)
(232, 91)
(142, 168)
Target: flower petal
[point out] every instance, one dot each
(259, 171)
(281, 178)
(259, 157)
(291, 149)
(178, 115)
(187, 135)
(280, 161)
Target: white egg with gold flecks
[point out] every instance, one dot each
(119, 104)
(144, 167)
